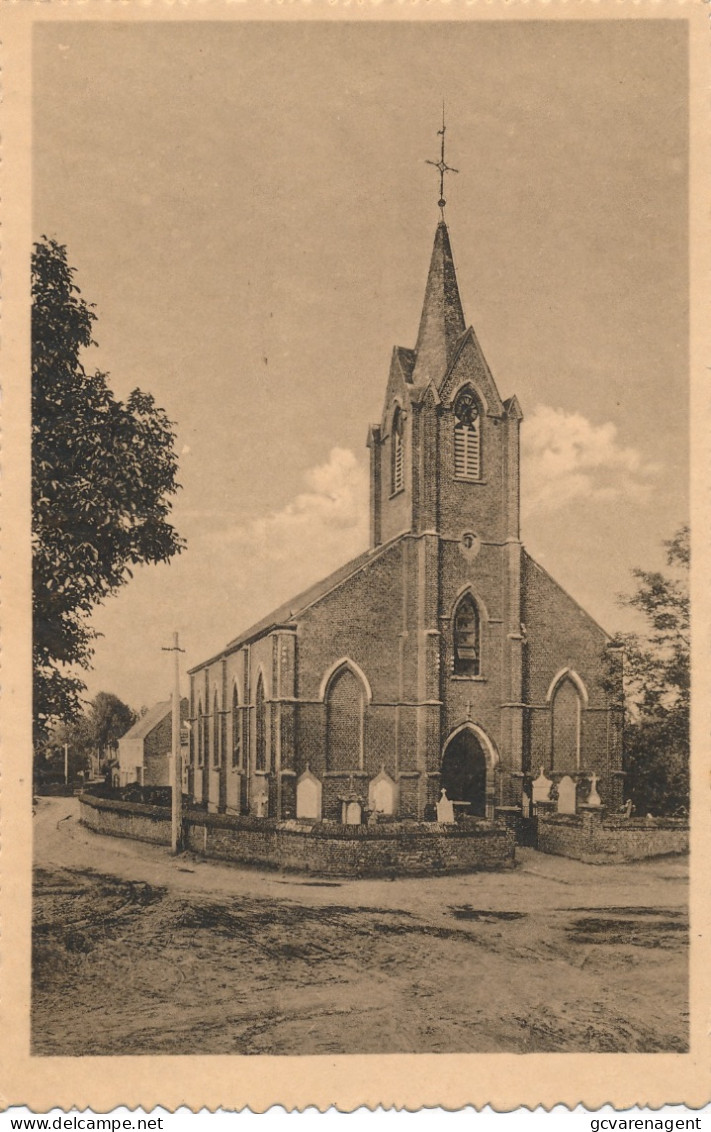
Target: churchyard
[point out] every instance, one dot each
(137, 952)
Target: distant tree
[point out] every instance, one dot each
(657, 687)
(76, 736)
(103, 473)
(96, 731)
(109, 718)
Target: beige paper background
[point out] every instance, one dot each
(503, 1080)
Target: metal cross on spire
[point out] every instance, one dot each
(442, 166)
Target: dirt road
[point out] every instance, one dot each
(138, 952)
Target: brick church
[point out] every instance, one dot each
(442, 657)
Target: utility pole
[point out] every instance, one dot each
(176, 777)
(66, 764)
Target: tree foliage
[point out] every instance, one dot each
(103, 474)
(96, 731)
(657, 686)
(109, 719)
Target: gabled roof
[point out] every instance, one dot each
(561, 589)
(147, 722)
(442, 320)
(284, 616)
(155, 715)
(468, 358)
(406, 360)
(513, 408)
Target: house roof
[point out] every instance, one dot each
(147, 722)
(153, 717)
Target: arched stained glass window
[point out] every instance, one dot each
(236, 730)
(344, 721)
(467, 642)
(397, 478)
(467, 436)
(261, 726)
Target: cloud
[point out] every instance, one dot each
(319, 530)
(564, 457)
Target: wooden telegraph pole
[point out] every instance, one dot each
(176, 777)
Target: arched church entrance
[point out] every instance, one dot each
(464, 771)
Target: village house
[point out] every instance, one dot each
(444, 657)
(144, 752)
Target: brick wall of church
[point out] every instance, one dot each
(480, 697)
(396, 509)
(561, 635)
(362, 620)
(475, 507)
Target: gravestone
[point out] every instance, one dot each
(261, 805)
(594, 798)
(308, 796)
(382, 793)
(445, 809)
(566, 796)
(351, 813)
(541, 788)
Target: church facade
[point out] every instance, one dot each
(442, 657)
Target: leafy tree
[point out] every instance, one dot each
(103, 474)
(76, 735)
(657, 687)
(95, 732)
(109, 718)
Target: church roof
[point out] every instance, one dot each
(286, 613)
(442, 321)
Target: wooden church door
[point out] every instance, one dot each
(464, 772)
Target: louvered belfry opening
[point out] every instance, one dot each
(467, 438)
(398, 462)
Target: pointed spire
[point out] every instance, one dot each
(442, 322)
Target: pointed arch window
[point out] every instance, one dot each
(236, 731)
(397, 470)
(206, 732)
(467, 436)
(200, 736)
(216, 733)
(566, 715)
(467, 638)
(344, 721)
(261, 726)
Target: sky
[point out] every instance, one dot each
(248, 206)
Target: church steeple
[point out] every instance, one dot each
(442, 321)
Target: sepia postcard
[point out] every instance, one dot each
(355, 731)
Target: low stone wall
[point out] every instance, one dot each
(598, 840)
(125, 819)
(396, 848)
